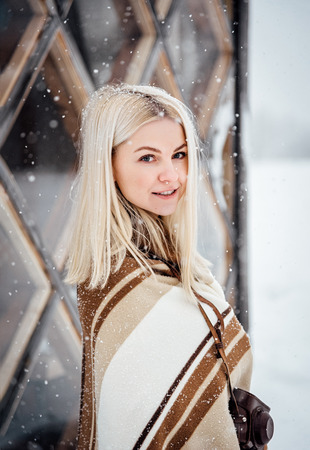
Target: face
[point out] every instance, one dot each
(150, 168)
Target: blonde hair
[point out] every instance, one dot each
(106, 226)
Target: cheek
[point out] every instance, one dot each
(141, 180)
(122, 174)
(131, 181)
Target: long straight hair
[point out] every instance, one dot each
(105, 225)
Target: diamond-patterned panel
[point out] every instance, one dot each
(201, 61)
(41, 155)
(192, 59)
(117, 38)
(15, 17)
(47, 416)
(20, 26)
(24, 288)
(163, 76)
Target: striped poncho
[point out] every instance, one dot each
(150, 375)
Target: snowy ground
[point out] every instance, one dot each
(279, 250)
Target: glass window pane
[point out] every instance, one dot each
(14, 18)
(41, 155)
(110, 35)
(24, 291)
(192, 58)
(47, 413)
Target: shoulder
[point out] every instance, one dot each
(131, 276)
(214, 293)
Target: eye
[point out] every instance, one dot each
(179, 155)
(147, 158)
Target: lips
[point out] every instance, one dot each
(166, 193)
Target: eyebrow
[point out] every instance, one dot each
(156, 150)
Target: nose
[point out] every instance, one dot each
(168, 173)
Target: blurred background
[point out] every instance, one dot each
(279, 199)
(242, 67)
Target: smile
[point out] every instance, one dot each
(166, 193)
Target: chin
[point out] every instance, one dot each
(165, 212)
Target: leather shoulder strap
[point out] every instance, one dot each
(216, 311)
(217, 336)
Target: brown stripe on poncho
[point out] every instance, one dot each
(150, 376)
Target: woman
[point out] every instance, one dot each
(151, 376)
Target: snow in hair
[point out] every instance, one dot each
(105, 225)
